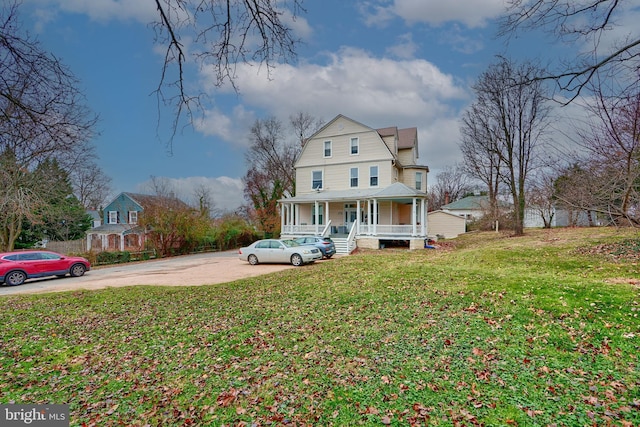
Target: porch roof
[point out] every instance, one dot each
(121, 229)
(397, 191)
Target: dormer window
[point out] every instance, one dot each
(327, 149)
(355, 146)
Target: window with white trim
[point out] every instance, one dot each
(373, 176)
(355, 146)
(113, 217)
(327, 149)
(353, 175)
(320, 214)
(316, 180)
(133, 217)
(418, 180)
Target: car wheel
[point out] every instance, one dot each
(296, 260)
(77, 270)
(328, 256)
(253, 260)
(15, 278)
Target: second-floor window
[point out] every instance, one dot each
(113, 217)
(327, 149)
(418, 180)
(133, 217)
(353, 177)
(373, 176)
(316, 180)
(355, 146)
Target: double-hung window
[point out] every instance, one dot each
(373, 176)
(418, 180)
(327, 149)
(316, 180)
(133, 217)
(353, 174)
(113, 217)
(355, 146)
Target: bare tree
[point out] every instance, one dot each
(591, 22)
(222, 34)
(451, 184)
(304, 125)
(270, 163)
(510, 111)
(42, 118)
(204, 201)
(612, 144)
(42, 112)
(90, 184)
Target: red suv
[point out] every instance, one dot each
(16, 267)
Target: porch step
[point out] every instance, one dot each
(341, 245)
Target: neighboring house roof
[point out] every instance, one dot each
(468, 203)
(395, 190)
(145, 200)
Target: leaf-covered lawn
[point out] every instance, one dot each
(493, 330)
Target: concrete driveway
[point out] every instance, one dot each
(189, 270)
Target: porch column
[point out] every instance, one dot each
(317, 216)
(358, 217)
(375, 217)
(414, 215)
(423, 217)
(296, 213)
(369, 215)
(283, 209)
(326, 214)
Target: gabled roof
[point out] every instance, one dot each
(146, 200)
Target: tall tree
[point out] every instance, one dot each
(270, 159)
(42, 117)
(60, 216)
(592, 23)
(512, 110)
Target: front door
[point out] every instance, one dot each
(350, 216)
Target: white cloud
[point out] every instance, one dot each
(226, 193)
(102, 10)
(378, 92)
(405, 47)
(435, 12)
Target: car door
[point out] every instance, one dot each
(278, 253)
(263, 251)
(31, 262)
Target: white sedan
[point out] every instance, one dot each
(279, 251)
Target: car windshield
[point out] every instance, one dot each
(290, 243)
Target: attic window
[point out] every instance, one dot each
(355, 146)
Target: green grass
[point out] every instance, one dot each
(533, 330)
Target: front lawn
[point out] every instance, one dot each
(487, 330)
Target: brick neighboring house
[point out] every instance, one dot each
(120, 230)
(360, 186)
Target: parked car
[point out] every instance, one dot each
(325, 244)
(16, 267)
(279, 251)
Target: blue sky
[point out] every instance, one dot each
(381, 62)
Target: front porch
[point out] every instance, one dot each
(355, 222)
